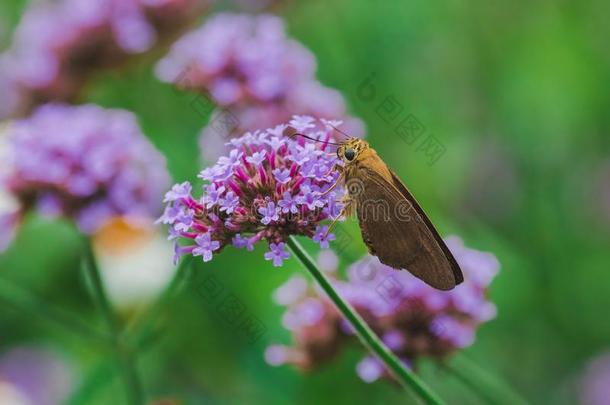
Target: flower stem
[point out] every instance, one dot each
(17, 297)
(486, 385)
(126, 358)
(94, 381)
(364, 332)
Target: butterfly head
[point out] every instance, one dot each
(349, 150)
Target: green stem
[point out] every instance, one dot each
(94, 381)
(144, 326)
(15, 296)
(123, 353)
(483, 383)
(364, 332)
(141, 330)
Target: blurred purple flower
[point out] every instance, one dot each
(244, 202)
(276, 355)
(251, 68)
(291, 291)
(34, 376)
(238, 58)
(370, 369)
(328, 261)
(58, 45)
(86, 163)
(413, 319)
(595, 383)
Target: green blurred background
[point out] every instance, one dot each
(517, 93)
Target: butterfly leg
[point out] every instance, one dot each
(345, 212)
(339, 180)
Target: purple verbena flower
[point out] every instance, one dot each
(183, 221)
(213, 196)
(205, 246)
(170, 215)
(288, 203)
(310, 198)
(241, 242)
(277, 254)
(256, 198)
(229, 202)
(234, 158)
(256, 158)
(178, 192)
(282, 176)
(276, 141)
(413, 319)
(270, 213)
(89, 164)
(322, 236)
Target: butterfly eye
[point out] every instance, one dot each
(350, 154)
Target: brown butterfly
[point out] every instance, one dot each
(394, 227)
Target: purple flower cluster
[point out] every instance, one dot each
(83, 162)
(268, 187)
(248, 65)
(58, 45)
(239, 59)
(413, 319)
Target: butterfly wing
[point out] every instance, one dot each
(396, 229)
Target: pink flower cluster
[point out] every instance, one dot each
(250, 67)
(413, 319)
(58, 45)
(84, 162)
(268, 187)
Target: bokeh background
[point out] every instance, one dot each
(517, 93)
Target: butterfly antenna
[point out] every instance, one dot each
(341, 132)
(317, 140)
(292, 135)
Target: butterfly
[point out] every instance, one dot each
(394, 227)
